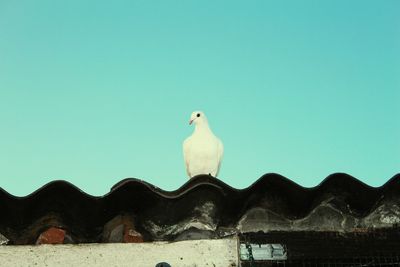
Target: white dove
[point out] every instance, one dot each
(202, 151)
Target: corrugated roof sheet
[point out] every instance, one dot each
(204, 207)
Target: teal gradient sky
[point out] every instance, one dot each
(96, 91)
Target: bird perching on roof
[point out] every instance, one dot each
(202, 151)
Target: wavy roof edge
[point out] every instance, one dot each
(273, 202)
(332, 180)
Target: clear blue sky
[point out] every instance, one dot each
(96, 91)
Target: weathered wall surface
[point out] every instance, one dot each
(211, 253)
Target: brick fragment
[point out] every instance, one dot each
(121, 229)
(132, 236)
(53, 235)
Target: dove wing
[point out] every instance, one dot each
(186, 155)
(220, 155)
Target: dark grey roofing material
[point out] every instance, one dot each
(203, 204)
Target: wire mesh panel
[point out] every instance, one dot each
(356, 262)
(373, 247)
(337, 262)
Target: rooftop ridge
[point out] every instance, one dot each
(203, 199)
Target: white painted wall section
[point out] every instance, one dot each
(213, 253)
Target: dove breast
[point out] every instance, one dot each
(202, 155)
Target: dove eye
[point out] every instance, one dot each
(198, 114)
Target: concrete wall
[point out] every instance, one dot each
(213, 253)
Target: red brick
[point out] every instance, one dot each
(121, 229)
(52, 235)
(131, 236)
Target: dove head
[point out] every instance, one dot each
(198, 118)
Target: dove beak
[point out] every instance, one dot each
(190, 122)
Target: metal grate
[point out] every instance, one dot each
(354, 262)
